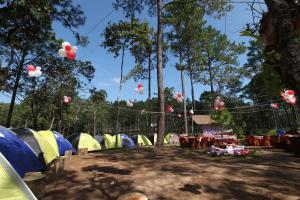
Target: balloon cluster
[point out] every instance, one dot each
(179, 98)
(34, 71)
(191, 112)
(67, 99)
(219, 103)
(170, 109)
(274, 105)
(288, 96)
(140, 88)
(129, 103)
(68, 51)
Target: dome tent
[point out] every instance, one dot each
(48, 135)
(124, 140)
(172, 138)
(63, 144)
(153, 139)
(84, 140)
(28, 137)
(20, 156)
(141, 140)
(49, 153)
(11, 185)
(109, 141)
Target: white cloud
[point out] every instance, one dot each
(116, 80)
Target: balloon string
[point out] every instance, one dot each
(49, 61)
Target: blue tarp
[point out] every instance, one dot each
(20, 156)
(126, 141)
(280, 132)
(63, 144)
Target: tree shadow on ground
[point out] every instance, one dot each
(185, 172)
(93, 186)
(192, 188)
(107, 169)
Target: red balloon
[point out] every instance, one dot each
(68, 48)
(290, 92)
(30, 68)
(71, 55)
(170, 109)
(140, 85)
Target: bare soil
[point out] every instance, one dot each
(173, 173)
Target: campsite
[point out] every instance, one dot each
(149, 99)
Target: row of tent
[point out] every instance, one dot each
(30, 151)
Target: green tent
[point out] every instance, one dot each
(155, 139)
(11, 184)
(143, 140)
(119, 141)
(109, 141)
(171, 138)
(48, 149)
(87, 141)
(48, 135)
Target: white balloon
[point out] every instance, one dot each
(65, 44)
(38, 74)
(31, 74)
(74, 49)
(38, 68)
(62, 52)
(129, 104)
(139, 90)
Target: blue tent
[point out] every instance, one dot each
(63, 144)
(126, 141)
(20, 156)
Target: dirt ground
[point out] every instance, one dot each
(171, 173)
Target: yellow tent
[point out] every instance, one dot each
(109, 141)
(143, 140)
(155, 139)
(48, 151)
(119, 141)
(87, 141)
(11, 184)
(48, 135)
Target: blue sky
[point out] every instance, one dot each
(108, 68)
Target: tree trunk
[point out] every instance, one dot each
(119, 96)
(34, 116)
(193, 92)
(95, 112)
(61, 116)
(287, 116)
(149, 94)
(52, 121)
(15, 90)
(184, 102)
(211, 83)
(160, 84)
(34, 107)
(193, 98)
